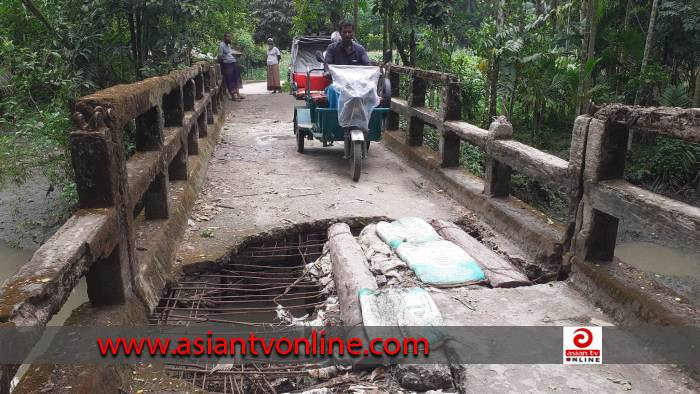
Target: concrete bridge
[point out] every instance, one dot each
(212, 179)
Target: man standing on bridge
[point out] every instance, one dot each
(229, 68)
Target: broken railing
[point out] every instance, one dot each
(171, 115)
(598, 197)
(607, 198)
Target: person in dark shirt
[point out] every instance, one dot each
(346, 52)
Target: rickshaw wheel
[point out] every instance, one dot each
(356, 161)
(300, 138)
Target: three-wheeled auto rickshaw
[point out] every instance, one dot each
(353, 109)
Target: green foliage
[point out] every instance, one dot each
(273, 17)
(664, 164)
(471, 81)
(81, 46)
(674, 96)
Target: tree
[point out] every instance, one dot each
(696, 96)
(273, 17)
(588, 25)
(647, 45)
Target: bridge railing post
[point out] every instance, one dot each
(188, 93)
(199, 86)
(392, 122)
(202, 122)
(497, 174)
(450, 109)
(149, 137)
(99, 164)
(606, 149)
(193, 139)
(416, 99)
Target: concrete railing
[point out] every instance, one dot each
(608, 198)
(592, 178)
(170, 114)
(123, 254)
(503, 155)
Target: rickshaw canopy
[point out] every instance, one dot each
(304, 52)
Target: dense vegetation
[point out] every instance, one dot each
(538, 62)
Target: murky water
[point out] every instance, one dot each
(659, 259)
(11, 259)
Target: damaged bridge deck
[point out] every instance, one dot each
(257, 182)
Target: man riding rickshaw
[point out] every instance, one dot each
(348, 109)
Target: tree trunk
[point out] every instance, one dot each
(412, 9)
(696, 96)
(555, 4)
(626, 24)
(593, 18)
(585, 32)
(355, 8)
(647, 44)
(384, 33)
(495, 63)
(511, 104)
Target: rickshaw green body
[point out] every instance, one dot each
(322, 123)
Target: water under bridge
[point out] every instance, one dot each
(216, 190)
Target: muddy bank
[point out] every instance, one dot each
(30, 213)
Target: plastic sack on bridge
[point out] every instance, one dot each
(357, 94)
(409, 229)
(405, 312)
(440, 263)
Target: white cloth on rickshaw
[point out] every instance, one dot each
(357, 94)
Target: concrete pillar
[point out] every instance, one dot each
(210, 114)
(193, 140)
(156, 201)
(605, 153)
(173, 108)
(177, 170)
(450, 109)
(207, 81)
(99, 164)
(416, 99)
(202, 123)
(199, 86)
(188, 95)
(149, 130)
(497, 175)
(392, 122)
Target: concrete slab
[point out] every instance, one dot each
(539, 305)
(553, 304)
(575, 378)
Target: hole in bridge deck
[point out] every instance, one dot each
(246, 291)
